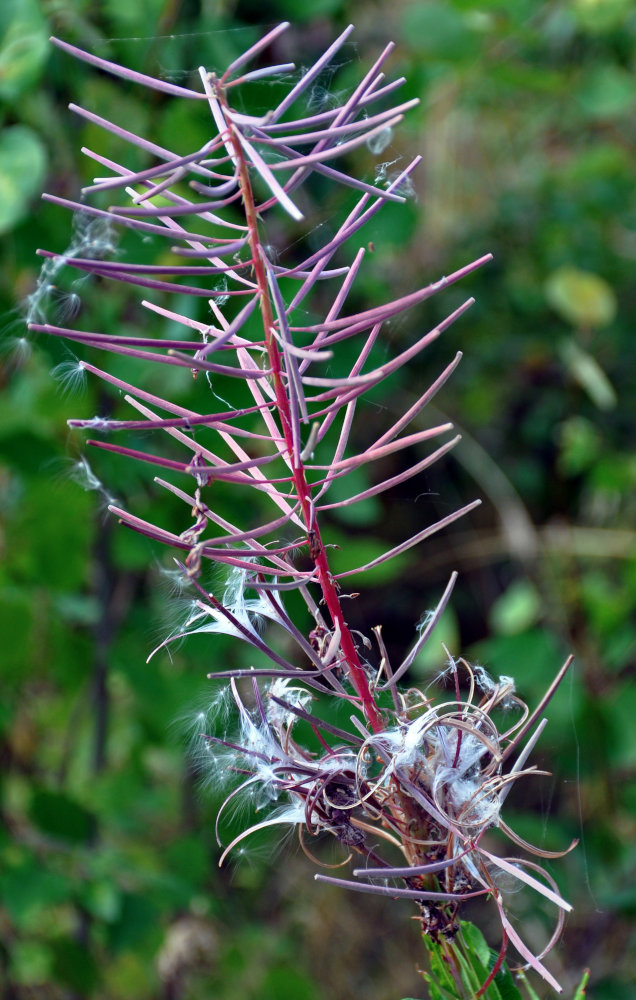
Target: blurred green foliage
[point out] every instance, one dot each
(108, 876)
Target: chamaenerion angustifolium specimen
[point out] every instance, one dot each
(413, 783)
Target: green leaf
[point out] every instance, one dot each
(17, 625)
(357, 550)
(103, 900)
(473, 973)
(30, 963)
(439, 967)
(475, 942)
(22, 170)
(581, 298)
(586, 370)
(284, 982)
(364, 513)
(60, 544)
(437, 992)
(24, 47)
(516, 610)
(504, 981)
(28, 889)
(579, 445)
(60, 816)
(189, 857)
(306, 12)
(74, 966)
(607, 93)
(432, 656)
(597, 16)
(138, 917)
(133, 17)
(77, 609)
(438, 31)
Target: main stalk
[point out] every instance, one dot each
(316, 547)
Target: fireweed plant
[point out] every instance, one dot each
(409, 788)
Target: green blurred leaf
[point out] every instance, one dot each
(183, 118)
(602, 160)
(534, 655)
(363, 513)
(132, 551)
(77, 609)
(28, 888)
(607, 92)
(581, 298)
(59, 544)
(137, 18)
(392, 229)
(74, 966)
(356, 551)
(438, 31)
(24, 46)
(619, 645)
(60, 816)
(138, 918)
(598, 16)
(17, 618)
(189, 857)
(131, 975)
(585, 370)
(307, 12)
(22, 169)
(286, 983)
(102, 899)
(31, 963)
(579, 445)
(432, 656)
(618, 715)
(516, 610)
(607, 604)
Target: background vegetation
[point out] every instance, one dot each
(108, 880)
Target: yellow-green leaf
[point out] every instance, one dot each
(581, 298)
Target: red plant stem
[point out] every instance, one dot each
(496, 967)
(316, 545)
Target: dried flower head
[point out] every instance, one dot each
(427, 787)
